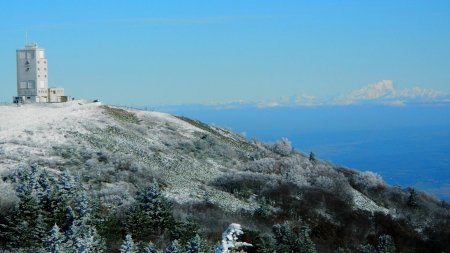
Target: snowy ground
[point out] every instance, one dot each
(32, 132)
(33, 129)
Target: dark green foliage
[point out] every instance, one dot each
(150, 215)
(385, 244)
(312, 157)
(174, 247)
(366, 249)
(26, 225)
(262, 242)
(54, 243)
(194, 245)
(287, 240)
(184, 231)
(343, 250)
(413, 198)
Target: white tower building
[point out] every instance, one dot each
(32, 75)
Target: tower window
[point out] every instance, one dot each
(30, 54)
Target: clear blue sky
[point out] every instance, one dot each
(175, 52)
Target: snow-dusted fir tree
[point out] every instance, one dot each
(174, 247)
(194, 245)
(150, 214)
(25, 226)
(66, 187)
(149, 248)
(54, 243)
(128, 245)
(230, 239)
(82, 236)
(65, 192)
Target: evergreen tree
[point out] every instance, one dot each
(128, 245)
(312, 157)
(174, 247)
(65, 192)
(54, 242)
(366, 249)
(69, 218)
(150, 215)
(194, 245)
(283, 237)
(413, 198)
(385, 244)
(82, 236)
(288, 241)
(306, 245)
(149, 248)
(26, 226)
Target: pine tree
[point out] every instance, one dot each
(312, 157)
(283, 237)
(54, 242)
(367, 248)
(194, 245)
(413, 198)
(174, 247)
(288, 241)
(65, 192)
(306, 245)
(385, 244)
(128, 245)
(82, 236)
(26, 226)
(150, 215)
(149, 248)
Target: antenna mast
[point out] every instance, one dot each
(26, 38)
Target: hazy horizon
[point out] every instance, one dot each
(192, 52)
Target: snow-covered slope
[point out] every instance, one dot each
(50, 135)
(209, 173)
(114, 149)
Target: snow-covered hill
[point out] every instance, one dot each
(113, 151)
(52, 135)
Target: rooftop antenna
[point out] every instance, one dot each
(26, 38)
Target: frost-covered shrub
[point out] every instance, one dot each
(369, 179)
(283, 147)
(264, 165)
(8, 198)
(324, 182)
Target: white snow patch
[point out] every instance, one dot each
(364, 203)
